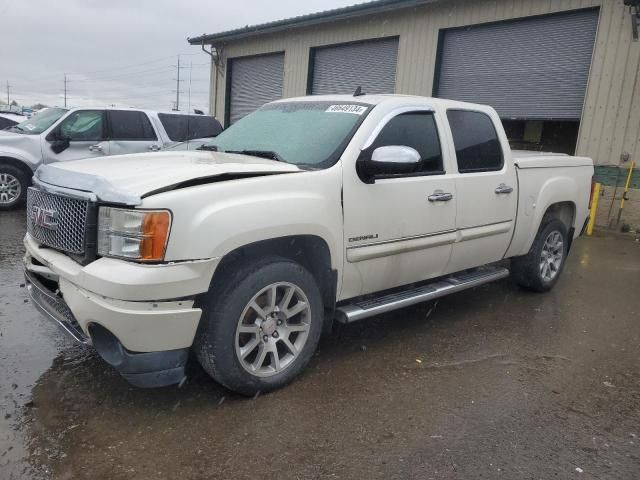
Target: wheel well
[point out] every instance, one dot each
(566, 213)
(18, 164)
(563, 211)
(310, 251)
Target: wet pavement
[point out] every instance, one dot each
(490, 383)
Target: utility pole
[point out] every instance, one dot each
(190, 74)
(178, 87)
(65, 90)
(8, 87)
(178, 92)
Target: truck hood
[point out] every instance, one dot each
(127, 179)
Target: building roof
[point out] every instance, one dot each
(358, 10)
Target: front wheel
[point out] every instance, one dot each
(13, 187)
(540, 269)
(261, 325)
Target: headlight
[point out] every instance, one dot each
(133, 234)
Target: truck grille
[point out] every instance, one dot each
(57, 221)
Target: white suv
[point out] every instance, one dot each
(57, 134)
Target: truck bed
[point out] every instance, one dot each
(530, 159)
(541, 177)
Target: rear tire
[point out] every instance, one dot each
(261, 324)
(13, 187)
(540, 269)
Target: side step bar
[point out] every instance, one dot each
(369, 307)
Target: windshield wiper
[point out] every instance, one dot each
(16, 127)
(209, 148)
(271, 155)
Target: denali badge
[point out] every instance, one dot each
(363, 237)
(44, 217)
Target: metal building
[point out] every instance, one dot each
(564, 75)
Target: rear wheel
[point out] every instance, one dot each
(13, 187)
(261, 325)
(540, 269)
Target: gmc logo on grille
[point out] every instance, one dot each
(44, 217)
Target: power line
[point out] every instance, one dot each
(124, 67)
(127, 75)
(158, 59)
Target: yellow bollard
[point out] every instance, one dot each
(594, 208)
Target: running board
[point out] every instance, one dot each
(369, 307)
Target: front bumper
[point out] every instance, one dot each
(148, 340)
(53, 307)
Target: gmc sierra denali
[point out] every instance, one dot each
(307, 211)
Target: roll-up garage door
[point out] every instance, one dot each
(254, 82)
(342, 68)
(534, 68)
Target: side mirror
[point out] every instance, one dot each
(59, 142)
(389, 160)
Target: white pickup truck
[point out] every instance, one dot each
(308, 210)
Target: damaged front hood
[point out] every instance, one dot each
(127, 179)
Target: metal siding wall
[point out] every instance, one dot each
(603, 137)
(535, 68)
(370, 65)
(254, 82)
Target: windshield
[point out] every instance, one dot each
(301, 133)
(40, 121)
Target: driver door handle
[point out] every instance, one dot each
(440, 197)
(502, 188)
(95, 148)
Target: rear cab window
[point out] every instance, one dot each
(130, 125)
(181, 128)
(476, 141)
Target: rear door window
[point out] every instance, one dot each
(476, 141)
(130, 125)
(181, 128)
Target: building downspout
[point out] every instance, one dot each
(215, 63)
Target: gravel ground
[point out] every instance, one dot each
(490, 383)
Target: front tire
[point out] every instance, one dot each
(261, 324)
(540, 269)
(13, 187)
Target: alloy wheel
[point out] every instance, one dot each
(10, 188)
(551, 256)
(273, 329)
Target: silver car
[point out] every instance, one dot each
(58, 134)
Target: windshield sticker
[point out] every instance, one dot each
(30, 127)
(355, 109)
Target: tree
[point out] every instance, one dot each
(14, 103)
(39, 106)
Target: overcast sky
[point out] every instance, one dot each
(121, 52)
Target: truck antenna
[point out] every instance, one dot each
(358, 92)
